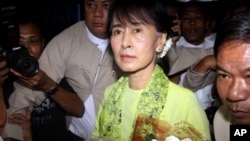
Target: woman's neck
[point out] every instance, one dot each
(140, 79)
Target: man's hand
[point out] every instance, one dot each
(70, 102)
(40, 81)
(176, 29)
(24, 122)
(205, 64)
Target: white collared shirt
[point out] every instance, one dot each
(205, 44)
(102, 43)
(84, 126)
(204, 94)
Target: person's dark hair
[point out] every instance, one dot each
(27, 14)
(147, 11)
(201, 5)
(27, 20)
(235, 29)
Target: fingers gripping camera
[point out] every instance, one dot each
(19, 59)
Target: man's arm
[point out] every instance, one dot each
(201, 74)
(69, 101)
(181, 58)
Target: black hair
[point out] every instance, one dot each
(27, 14)
(201, 5)
(147, 11)
(236, 29)
(32, 20)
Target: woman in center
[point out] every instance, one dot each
(143, 102)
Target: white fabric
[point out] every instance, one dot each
(102, 44)
(77, 59)
(206, 44)
(211, 38)
(1, 139)
(204, 95)
(222, 121)
(88, 121)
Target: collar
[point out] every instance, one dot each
(102, 44)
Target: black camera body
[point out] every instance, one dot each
(19, 59)
(16, 56)
(172, 33)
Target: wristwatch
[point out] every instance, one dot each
(53, 90)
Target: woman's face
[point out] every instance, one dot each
(233, 79)
(135, 45)
(30, 37)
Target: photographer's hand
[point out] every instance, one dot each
(40, 80)
(69, 101)
(177, 30)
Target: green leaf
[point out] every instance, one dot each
(149, 137)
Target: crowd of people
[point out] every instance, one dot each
(130, 71)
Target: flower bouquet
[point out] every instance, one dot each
(151, 129)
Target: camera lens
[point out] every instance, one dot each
(27, 66)
(19, 59)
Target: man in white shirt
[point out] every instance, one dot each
(81, 54)
(193, 27)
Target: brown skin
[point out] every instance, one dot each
(175, 78)
(3, 112)
(173, 12)
(3, 75)
(96, 16)
(96, 19)
(193, 25)
(135, 48)
(24, 122)
(70, 102)
(31, 39)
(205, 64)
(176, 28)
(233, 83)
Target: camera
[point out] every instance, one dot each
(16, 56)
(19, 59)
(172, 33)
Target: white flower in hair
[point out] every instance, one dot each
(166, 47)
